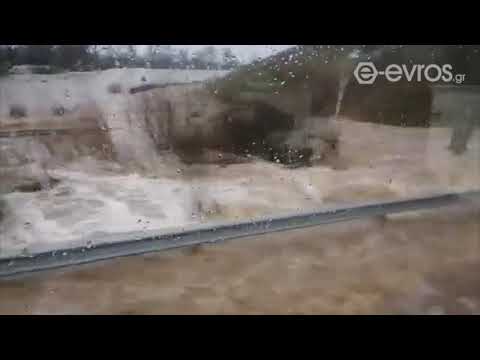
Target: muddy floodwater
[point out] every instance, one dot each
(93, 198)
(424, 262)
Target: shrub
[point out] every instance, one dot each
(58, 110)
(18, 111)
(115, 88)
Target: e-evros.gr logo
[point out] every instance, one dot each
(366, 73)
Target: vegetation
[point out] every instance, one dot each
(318, 69)
(18, 111)
(57, 58)
(115, 88)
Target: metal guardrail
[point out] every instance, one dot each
(139, 243)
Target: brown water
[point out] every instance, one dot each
(417, 263)
(375, 163)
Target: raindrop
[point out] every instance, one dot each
(89, 244)
(64, 254)
(220, 156)
(277, 161)
(179, 171)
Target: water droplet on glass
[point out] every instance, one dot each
(64, 254)
(179, 171)
(89, 244)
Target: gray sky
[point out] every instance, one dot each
(244, 52)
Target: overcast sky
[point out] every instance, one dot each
(244, 52)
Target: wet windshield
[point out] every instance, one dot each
(112, 144)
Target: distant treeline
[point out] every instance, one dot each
(58, 58)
